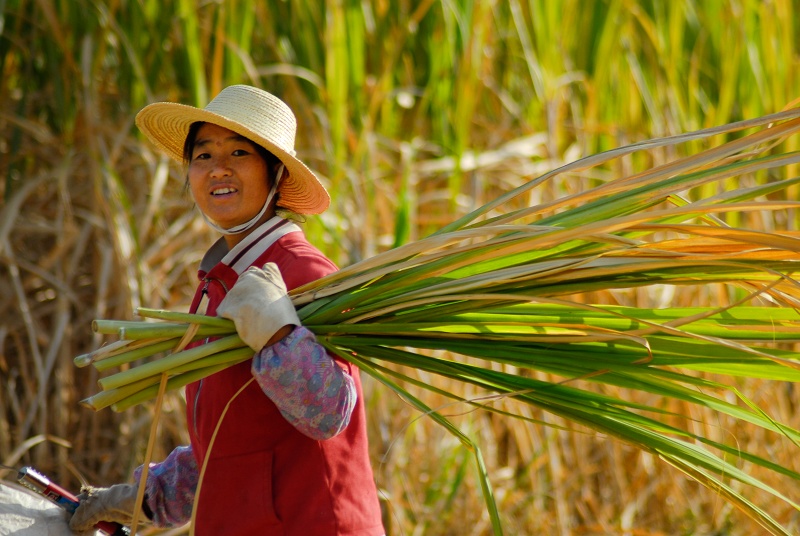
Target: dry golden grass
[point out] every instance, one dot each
(93, 223)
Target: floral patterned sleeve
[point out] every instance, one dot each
(169, 492)
(311, 391)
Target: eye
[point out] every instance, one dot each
(240, 152)
(200, 156)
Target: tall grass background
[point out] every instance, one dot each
(412, 113)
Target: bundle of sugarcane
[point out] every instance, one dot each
(504, 288)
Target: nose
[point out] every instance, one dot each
(220, 168)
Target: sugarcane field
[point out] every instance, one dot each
(555, 268)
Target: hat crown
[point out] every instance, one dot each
(260, 111)
(253, 113)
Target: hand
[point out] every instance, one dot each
(104, 504)
(259, 306)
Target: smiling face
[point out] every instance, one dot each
(228, 177)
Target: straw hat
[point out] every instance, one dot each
(255, 114)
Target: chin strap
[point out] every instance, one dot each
(242, 227)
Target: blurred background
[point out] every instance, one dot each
(412, 113)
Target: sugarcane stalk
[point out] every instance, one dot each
(187, 318)
(171, 361)
(137, 353)
(109, 350)
(111, 327)
(131, 329)
(103, 399)
(149, 330)
(175, 382)
(210, 363)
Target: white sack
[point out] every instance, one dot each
(24, 513)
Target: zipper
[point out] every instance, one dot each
(204, 294)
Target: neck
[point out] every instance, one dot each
(233, 239)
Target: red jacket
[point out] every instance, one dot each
(263, 476)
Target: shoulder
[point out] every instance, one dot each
(298, 260)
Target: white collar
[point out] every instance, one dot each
(245, 253)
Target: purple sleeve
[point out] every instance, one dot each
(311, 391)
(170, 487)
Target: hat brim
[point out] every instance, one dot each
(166, 124)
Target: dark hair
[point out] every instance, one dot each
(188, 147)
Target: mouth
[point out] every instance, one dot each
(225, 190)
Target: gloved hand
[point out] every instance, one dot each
(259, 306)
(104, 504)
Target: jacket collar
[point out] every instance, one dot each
(245, 253)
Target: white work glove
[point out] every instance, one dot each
(104, 504)
(259, 306)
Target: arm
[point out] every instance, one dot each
(311, 391)
(168, 499)
(170, 487)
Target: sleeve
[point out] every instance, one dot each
(309, 388)
(170, 487)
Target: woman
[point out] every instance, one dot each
(289, 455)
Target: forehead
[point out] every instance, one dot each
(210, 132)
